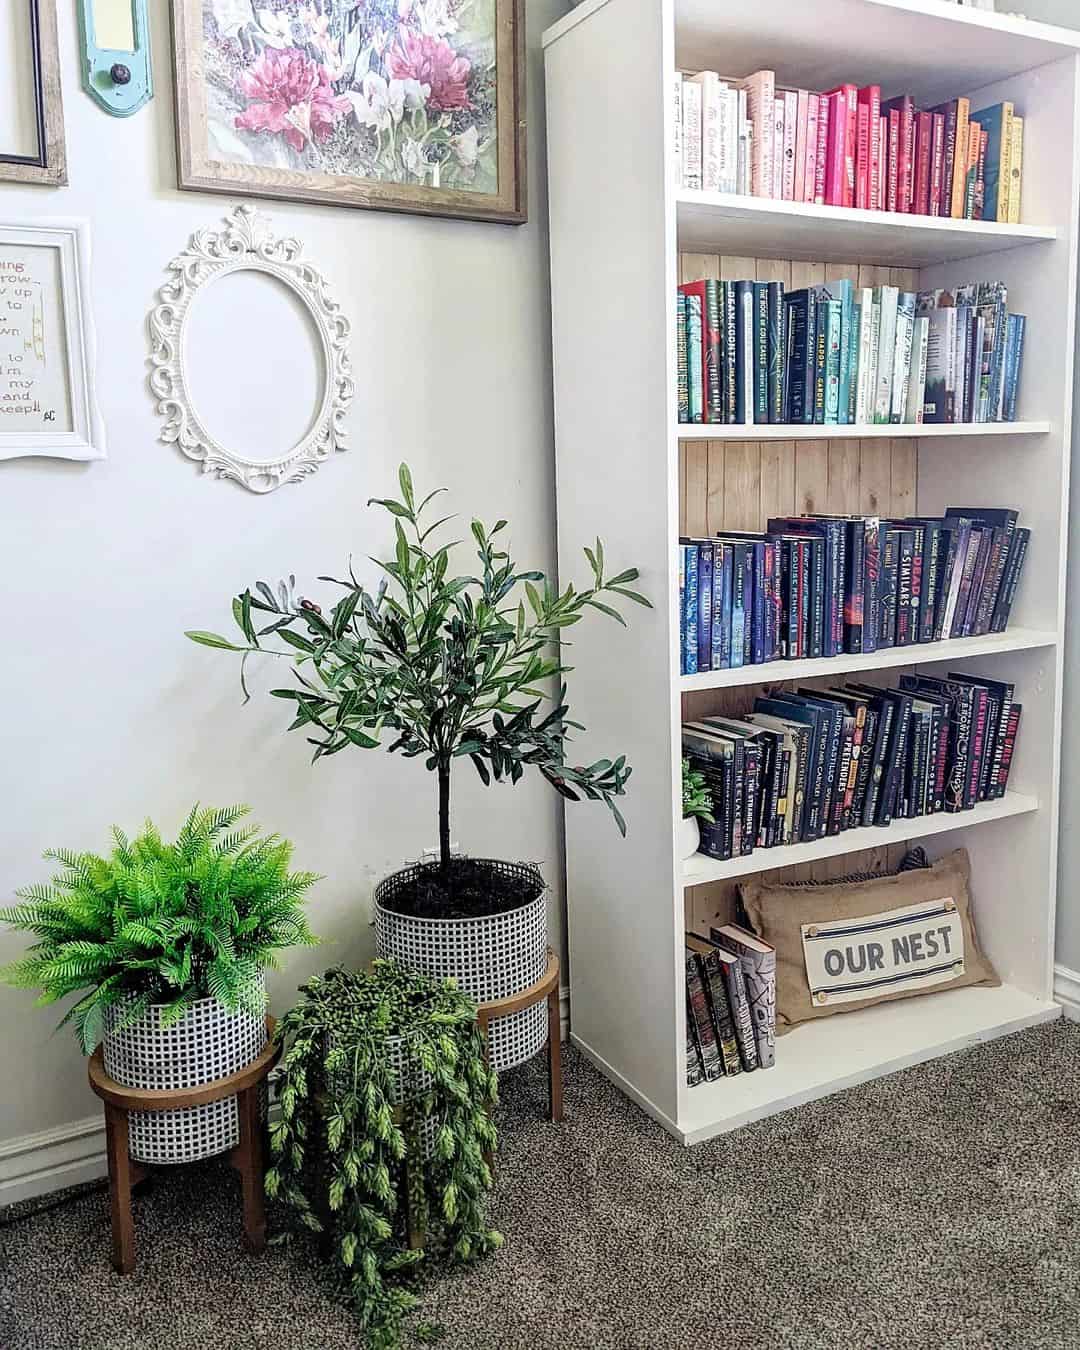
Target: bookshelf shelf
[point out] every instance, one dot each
(700, 870)
(836, 667)
(623, 236)
(760, 227)
(839, 1052)
(757, 431)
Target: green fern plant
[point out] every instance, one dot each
(157, 922)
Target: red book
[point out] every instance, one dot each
(924, 130)
(862, 158)
(698, 288)
(892, 188)
(821, 170)
(835, 173)
(850, 96)
(937, 165)
(870, 99)
(883, 162)
(905, 178)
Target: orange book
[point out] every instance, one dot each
(960, 157)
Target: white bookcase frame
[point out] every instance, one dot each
(619, 223)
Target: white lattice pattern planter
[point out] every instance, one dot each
(492, 957)
(207, 1043)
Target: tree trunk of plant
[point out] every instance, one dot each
(444, 813)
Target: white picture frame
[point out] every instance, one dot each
(247, 244)
(48, 403)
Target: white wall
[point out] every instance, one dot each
(109, 713)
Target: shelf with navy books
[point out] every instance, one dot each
(826, 586)
(758, 353)
(625, 236)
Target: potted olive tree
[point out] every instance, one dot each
(447, 668)
(167, 944)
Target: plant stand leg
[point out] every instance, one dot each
(120, 1183)
(250, 1166)
(555, 1054)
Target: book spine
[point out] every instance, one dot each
(712, 352)
(890, 555)
(894, 180)
(761, 351)
(701, 1021)
(778, 149)
(740, 1011)
(821, 345)
(851, 368)
(886, 354)
(711, 150)
(791, 124)
(695, 1065)
(761, 111)
(832, 358)
(874, 108)
(822, 158)
(948, 168)
(960, 159)
(846, 335)
(691, 135)
(705, 606)
(1014, 355)
(902, 348)
(1010, 745)
(851, 134)
(802, 115)
(775, 352)
(712, 971)
(862, 158)
(836, 175)
(924, 124)
(729, 349)
(810, 168)
(937, 163)
(694, 358)
(1016, 169)
(916, 390)
(681, 358)
(1011, 579)
(690, 622)
(871, 582)
(677, 128)
(728, 149)
(724, 567)
(904, 568)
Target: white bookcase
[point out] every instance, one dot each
(622, 235)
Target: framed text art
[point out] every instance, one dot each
(47, 402)
(31, 107)
(397, 105)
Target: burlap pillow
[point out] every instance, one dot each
(850, 945)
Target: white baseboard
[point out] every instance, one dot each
(1067, 991)
(564, 1010)
(66, 1155)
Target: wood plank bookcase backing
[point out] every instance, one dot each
(622, 236)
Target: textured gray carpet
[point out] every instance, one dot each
(936, 1208)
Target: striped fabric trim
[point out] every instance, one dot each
(907, 977)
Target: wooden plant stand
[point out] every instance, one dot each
(546, 987)
(249, 1156)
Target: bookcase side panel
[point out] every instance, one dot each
(613, 280)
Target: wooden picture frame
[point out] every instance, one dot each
(273, 102)
(48, 403)
(47, 165)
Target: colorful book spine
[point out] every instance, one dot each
(821, 167)
(761, 351)
(1014, 355)
(694, 358)
(833, 333)
(996, 122)
(777, 349)
(810, 167)
(712, 352)
(937, 164)
(759, 975)
(701, 1019)
(688, 590)
(1016, 169)
(680, 358)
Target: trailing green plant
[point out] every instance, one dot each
(696, 800)
(340, 1148)
(157, 922)
(443, 666)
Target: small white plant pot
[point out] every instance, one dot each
(492, 957)
(689, 837)
(207, 1043)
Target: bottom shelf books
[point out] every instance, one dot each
(730, 1004)
(807, 764)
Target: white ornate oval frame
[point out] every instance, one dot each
(246, 244)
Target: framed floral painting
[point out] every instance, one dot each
(399, 105)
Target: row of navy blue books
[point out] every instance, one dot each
(813, 586)
(840, 354)
(730, 1004)
(807, 764)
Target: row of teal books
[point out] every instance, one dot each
(753, 352)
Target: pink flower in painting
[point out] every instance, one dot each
(431, 61)
(289, 93)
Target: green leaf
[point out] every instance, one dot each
(405, 482)
(212, 640)
(606, 609)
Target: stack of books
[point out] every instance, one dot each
(837, 354)
(821, 586)
(847, 147)
(730, 1004)
(807, 764)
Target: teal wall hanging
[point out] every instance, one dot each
(116, 54)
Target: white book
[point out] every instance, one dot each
(905, 324)
(691, 134)
(867, 365)
(888, 296)
(916, 390)
(791, 123)
(760, 89)
(676, 149)
(778, 148)
(711, 150)
(729, 139)
(872, 364)
(744, 183)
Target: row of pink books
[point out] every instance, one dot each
(848, 147)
